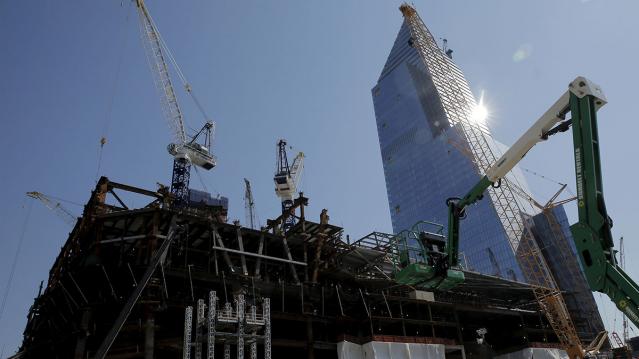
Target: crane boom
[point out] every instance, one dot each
(56, 207)
(297, 168)
(160, 71)
(249, 206)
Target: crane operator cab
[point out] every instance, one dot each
(194, 152)
(422, 258)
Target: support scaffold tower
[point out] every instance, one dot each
(236, 324)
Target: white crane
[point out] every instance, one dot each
(287, 179)
(185, 150)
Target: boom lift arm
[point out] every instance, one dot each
(592, 233)
(550, 123)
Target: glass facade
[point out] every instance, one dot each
(561, 255)
(426, 161)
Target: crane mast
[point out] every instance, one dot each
(185, 151)
(287, 179)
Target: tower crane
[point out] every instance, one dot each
(185, 150)
(56, 207)
(287, 179)
(249, 206)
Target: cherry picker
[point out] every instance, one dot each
(591, 234)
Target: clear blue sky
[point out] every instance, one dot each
(301, 70)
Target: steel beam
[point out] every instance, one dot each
(133, 298)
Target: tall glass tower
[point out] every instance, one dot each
(434, 148)
(426, 160)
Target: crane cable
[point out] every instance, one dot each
(15, 261)
(549, 179)
(108, 117)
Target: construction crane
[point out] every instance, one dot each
(459, 109)
(55, 206)
(591, 234)
(185, 150)
(286, 180)
(249, 206)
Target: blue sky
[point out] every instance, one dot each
(301, 70)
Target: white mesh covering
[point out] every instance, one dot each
(383, 350)
(535, 353)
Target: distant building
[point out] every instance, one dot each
(552, 233)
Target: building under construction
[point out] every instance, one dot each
(129, 283)
(162, 274)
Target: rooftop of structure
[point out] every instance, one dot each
(365, 265)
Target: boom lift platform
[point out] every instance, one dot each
(592, 232)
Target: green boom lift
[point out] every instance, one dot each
(592, 235)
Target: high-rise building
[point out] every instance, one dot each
(426, 160)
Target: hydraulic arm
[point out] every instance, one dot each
(551, 122)
(592, 235)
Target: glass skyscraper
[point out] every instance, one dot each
(426, 161)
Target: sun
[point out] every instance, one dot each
(480, 112)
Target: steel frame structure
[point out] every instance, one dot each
(311, 316)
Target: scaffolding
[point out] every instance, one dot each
(237, 324)
(458, 107)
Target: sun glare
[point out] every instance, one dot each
(480, 112)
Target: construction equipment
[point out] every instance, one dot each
(422, 258)
(249, 206)
(592, 232)
(55, 206)
(287, 179)
(185, 150)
